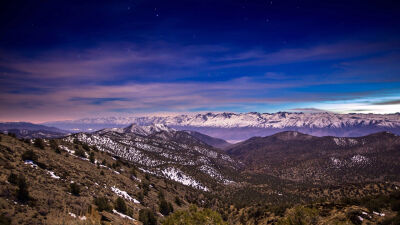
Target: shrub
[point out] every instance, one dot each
(91, 157)
(4, 220)
(147, 217)
(22, 191)
(38, 143)
(102, 204)
(29, 155)
(53, 144)
(102, 173)
(195, 216)
(165, 207)
(300, 216)
(353, 217)
(120, 205)
(133, 172)
(140, 197)
(95, 148)
(74, 189)
(86, 147)
(76, 141)
(146, 188)
(79, 152)
(178, 201)
(13, 178)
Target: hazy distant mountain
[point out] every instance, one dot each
(30, 130)
(241, 126)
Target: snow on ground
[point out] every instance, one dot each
(65, 148)
(359, 159)
(31, 163)
(124, 194)
(178, 176)
(122, 215)
(378, 213)
(53, 175)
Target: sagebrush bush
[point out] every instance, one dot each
(102, 204)
(74, 189)
(147, 217)
(120, 205)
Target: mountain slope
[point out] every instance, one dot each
(241, 126)
(165, 152)
(215, 142)
(50, 173)
(301, 157)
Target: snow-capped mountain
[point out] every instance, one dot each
(240, 126)
(163, 151)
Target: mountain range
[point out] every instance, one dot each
(241, 126)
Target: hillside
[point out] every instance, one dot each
(70, 182)
(50, 173)
(300, 157)
(166, 152)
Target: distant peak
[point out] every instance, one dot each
(147, 130)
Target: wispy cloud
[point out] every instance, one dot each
(129, 79)
(391, 102)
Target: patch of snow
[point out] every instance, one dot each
(178, 176)
(124, 194)
(359, 159)
(72, 214)
(31, 163)
(52, 175)
(122, 215)
(336, 162)
(65, 148)
(378, 213)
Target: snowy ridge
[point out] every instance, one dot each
(259, 120)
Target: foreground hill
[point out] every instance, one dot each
(73, 183)
(241, 126)
(70, 182)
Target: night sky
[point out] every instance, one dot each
(71, 59)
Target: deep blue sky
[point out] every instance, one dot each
(69, 59)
